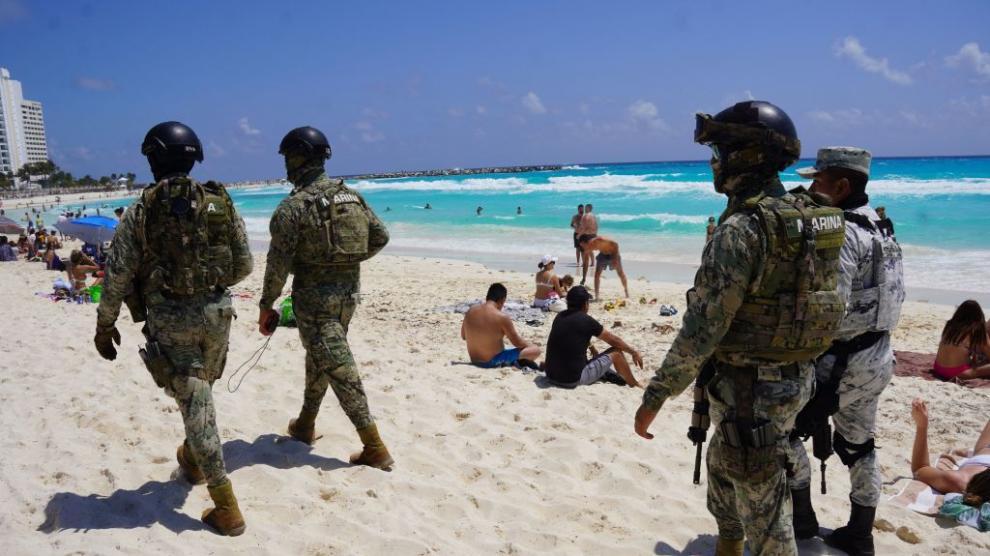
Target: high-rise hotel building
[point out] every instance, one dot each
(22, 127)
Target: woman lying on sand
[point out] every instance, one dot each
(973, 476)
(964, 336)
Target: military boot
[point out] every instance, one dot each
(190, 470)
(729, 547)
(303, 428)
(805, 521)
(856, 538)
(226, 517)
(374, 454)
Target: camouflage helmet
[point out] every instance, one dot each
(308, 140)
(749, 136)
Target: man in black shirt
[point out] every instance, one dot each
(567, 364)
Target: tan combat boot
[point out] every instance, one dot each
(190, 470)
(226, 517)
(729, 547)
(374, 454)
(303, 428)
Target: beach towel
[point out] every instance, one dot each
(919, 365)
(517, 310)
(917, 496)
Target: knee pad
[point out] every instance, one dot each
(850, 453)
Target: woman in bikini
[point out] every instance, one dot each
(548, 288)
(81, 265)
(973, 476)
(964, 336)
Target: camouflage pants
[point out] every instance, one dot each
(323, 316)
(758, 509)
(868, 373)
(193, 335)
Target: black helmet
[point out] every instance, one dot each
(172, 140)
(749, 135)
(309, 140)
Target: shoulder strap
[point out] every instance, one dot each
(860, 220)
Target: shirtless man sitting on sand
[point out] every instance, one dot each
(485, 328)
(973, 476)
(608, 257)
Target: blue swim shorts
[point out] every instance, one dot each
(506, 358)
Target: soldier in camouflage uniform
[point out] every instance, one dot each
(320, 233)
(763, 306)
(860, 362)
(175, 253)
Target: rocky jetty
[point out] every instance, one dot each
(454, 172)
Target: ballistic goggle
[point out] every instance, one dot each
(712, 133)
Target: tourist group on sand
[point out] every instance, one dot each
(786, 331)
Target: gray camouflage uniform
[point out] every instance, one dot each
(323, 299)
(193, 332)
(870, 370)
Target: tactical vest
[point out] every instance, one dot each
(793, 309)
(187, 230)
(334, 220)
(877, 308)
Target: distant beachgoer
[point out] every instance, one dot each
(427, 207)
(119, 211)
(7, 253)
(81, 265)
(885, 225)
(972, 478)
(477, 211)
(608, 257)
(589, 225)
(388, 209)
(485, 327)
(576, 226)
(964, 336)
(567, 364)
(710, 230)
(518, 210)
(548, 288)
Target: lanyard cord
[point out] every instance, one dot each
(256, 356)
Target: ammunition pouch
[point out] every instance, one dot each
(752, 454)
(157, 363)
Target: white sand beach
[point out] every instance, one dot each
(487, 461)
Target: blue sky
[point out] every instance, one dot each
(459, 84)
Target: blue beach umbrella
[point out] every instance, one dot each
(90, 229)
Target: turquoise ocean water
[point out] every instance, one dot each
(658, 211)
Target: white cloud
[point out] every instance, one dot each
(851, 48)
(245, 127)
(368, 132)
(82, 153)
(533, 103)
(645, 113)
(971, 57)
(95, 84)
(844, 117)
(735, 97)
(215, 150)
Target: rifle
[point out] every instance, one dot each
(698, 431)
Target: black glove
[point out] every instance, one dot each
(104, 340)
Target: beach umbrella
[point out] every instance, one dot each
(90, 229)
(8, 226)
